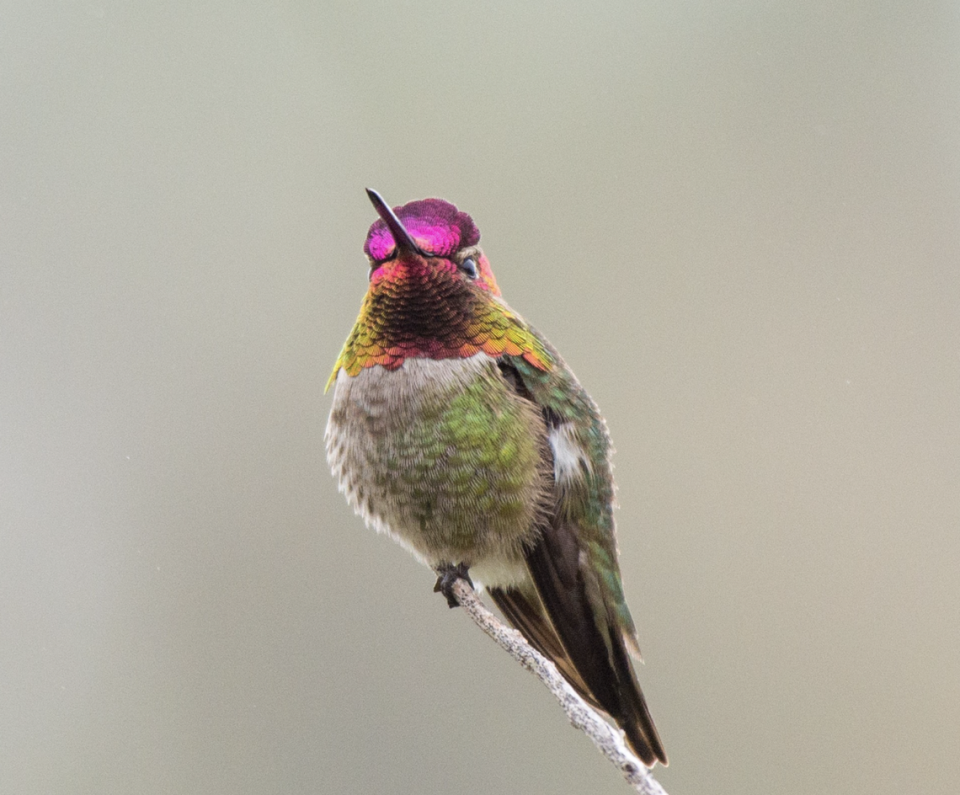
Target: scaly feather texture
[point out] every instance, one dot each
(459, 431)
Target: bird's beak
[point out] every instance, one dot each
(401, 236)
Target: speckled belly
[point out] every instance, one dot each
(443, 456)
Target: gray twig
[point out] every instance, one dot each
(581, 715)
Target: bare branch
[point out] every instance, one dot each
(581, 715)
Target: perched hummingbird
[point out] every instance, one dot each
(458, 430)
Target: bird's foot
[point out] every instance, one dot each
(447, 576)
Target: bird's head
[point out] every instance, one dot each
(431, 293)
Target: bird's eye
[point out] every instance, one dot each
(469, 267)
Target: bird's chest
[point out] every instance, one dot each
(441, 454)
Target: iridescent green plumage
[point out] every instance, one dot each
(460, 431)
(588, 499)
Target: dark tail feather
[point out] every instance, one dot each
(603, 666)
(526, 614)
(642, 734)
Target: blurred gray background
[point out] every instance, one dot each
(739, 222)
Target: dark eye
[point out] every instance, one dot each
(469, 267)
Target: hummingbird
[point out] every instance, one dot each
(460, 432)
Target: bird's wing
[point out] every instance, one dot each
(580, 618)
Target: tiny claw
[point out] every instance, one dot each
(447, 576)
